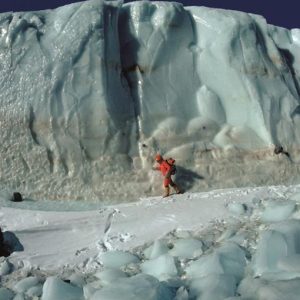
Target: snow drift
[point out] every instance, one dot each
(90, 91)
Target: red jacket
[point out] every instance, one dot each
(165, 168)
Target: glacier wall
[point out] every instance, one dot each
(90, 91)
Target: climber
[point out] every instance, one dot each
(167, 168)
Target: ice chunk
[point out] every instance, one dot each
(23, 285)
(289, 263)
(158, 248)
(186, 248)
(54, 289)
(137, 287)
(109, 276)
(268, 290)
(237, 208)
(6, 294)
(5, 268)
(271, 246)
(19, 297)
(89, 290)
(182, 294)
(278, 251)
(228, 233)
(228, 259)
(117, 259)
(77, 280)
(162, 267)
(215, 287)
(277, 211)
(295, 197)
(35, 291)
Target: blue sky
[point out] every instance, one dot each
(278, 12)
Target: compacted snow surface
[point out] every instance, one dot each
(223, 244)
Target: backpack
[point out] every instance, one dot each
(171, 162)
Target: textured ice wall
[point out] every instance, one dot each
(60, 96)
(90, 91)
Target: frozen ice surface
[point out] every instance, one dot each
(277, 211)
(54, 289)
(77, 280)
(229, 259)
(23, 285)
(217, 287)
(237, 208)
(260, 289)
(135, 288)
(186, 248)
(19, 297)
(35, 291)
(5, 268)
(6, 294)
(278, 250)
(109, 276)
(162, 267)
(117, 259)
(158, 248)
(92, 90)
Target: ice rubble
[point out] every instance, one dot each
(90, 91)
(245, 256)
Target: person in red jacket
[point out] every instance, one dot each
(167, 169)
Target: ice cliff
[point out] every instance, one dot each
(90, 91)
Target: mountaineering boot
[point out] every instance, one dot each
(167, 192)
(177, 190)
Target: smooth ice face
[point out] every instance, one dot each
(109, 276)
(217, 287)
(135, 288)
(162, 267)
(186, 248)
(278, 211)
(228, 260)
(91, 91)
(54, 288)
(117, 259)
(5, 268)
(6, 294)
(25, 284)
(278, 252)
(158, 248)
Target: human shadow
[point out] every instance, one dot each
(186, 178)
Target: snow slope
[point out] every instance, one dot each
(90, 91)
(212, 245)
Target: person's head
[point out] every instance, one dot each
(158, 158)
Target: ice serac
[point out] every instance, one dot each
(60, 98)
(90, 91)
(157, 62)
